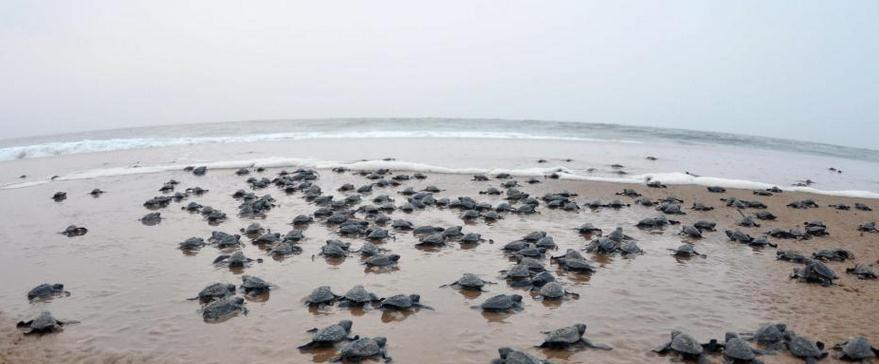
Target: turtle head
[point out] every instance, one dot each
(381, 341)
(504, 352)
(581, 328)
(415, 298)
(346, 324)
(516, 298)
(394, 257)
(730, 335)
(58, 286)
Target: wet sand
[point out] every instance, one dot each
(129, 282)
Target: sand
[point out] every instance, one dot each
(130, 284)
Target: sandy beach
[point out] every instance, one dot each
(129, 283)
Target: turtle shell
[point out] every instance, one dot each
(363, 348)
(534, 236)
(378, 234)
(220, 309)
(858, 348)
(508, 355)
(581, 265)
(45, 290)
(518, 271)
(44, 322)
(216, 291)
(736, 348)
(333, 333)
(382, 260)
(685, 344)
(552, 290)
(321, 295)
(471, 238)
(566, 335)
(400, 301)
(821, 269)
(358, 294)
(254, 283)
(434, 239)
(542, 278)
(501, 302)
(803, 348)
(770, 334)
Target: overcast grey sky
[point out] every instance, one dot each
(796, 69)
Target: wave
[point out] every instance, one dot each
(107, 145)
(669, 178)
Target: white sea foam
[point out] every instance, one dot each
(107, 145)
(671, 178)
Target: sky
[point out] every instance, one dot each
(798, 69)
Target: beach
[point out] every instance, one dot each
(129, 282)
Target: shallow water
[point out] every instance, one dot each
(129, 283)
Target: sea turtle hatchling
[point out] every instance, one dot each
(469, 282)
(43, 323)
(402, 302)
(773, 336)
(512, 356)
(215, 291)
(808, 350)
(815, 271)
(330, 335)
(74, 230)
(254, 286)
(222, 309)
(737, 350)
(685, 345)
(502, 303)
(686, 251)
(234, 260)
(553, 291)
(382, 260)
(863, 271)
(569, 336)
(357, 296)
(322, 296)
(856, 349)
(364, 348)
(46, 291)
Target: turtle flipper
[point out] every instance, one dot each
(306, 346)
(590, 344)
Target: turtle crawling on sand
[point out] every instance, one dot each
(863, 271)
(214, 292)
(222, 309)
(382, 260)
(402, 302)
(322, 296)
(569, 336)
(470, 282)
(791, 256)
(43, 323)
(512, 356)
(74, 230)
(771, 336)
(330, 335)
(856, 349)
(254, 286)
(808, 350)
(684, 345)
(234, 260)
(364, 348)
(838, 254)
(686, 251)
(59, 196)
(815, 272)
(46, 291)
(737, 350)
(502, 303)
(151, 219)
(357, 296)
(553, 291)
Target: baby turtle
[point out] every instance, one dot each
(815, 272)
(686, 251)
(772, 336)
(192, 244)
(470, 282)
(502, 302)
(705, 225)
(553, 291)
(302, 220)
(402, 302)
(357, 296)
(235, 260)
(471, 238)
(223, 240)
(151, 219)
(573, 261)
(856, 349)
(215, 291)
(59, 196)
(569, 336)
(803, 348)
(254, 286)
(512, 356)
(222, 309)
(869, 227)
(863, 271)
(46, 291)
(330, 335)
(369, 249)
(791, 256)
(322, 296)
(839, 255)
(335, 249)
(588, 228)
(74, 230)
(97, 192)
(43, 323)
(685, 345)
(736, 349)
(364, 348)
(691, 231)
(382, 260)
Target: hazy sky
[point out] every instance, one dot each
(796, 69)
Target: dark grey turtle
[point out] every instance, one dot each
(618, 235)
(815, 272)
(427, 230)
(511, 356)
(254, 229)
(364, 348)
(469, 281)
(771, 336)
(517, 272)
(573, 261)
(402, 225)
(222, 309)
(252, 285)
(383, 260)
(603, 245)
(235, 260)
(691, 231)
(302, 220)
(568, 337)
(588, 228)
(791, 256)
(268, 238)
(541, 279)
(322, 296)
(357, 296)
(737, 349)
(862, 207)
(808, 350)
(502, 302)
(838, 255)
(369, 249)
(378, 234)
(856, 349)
(200, 171)
(402, 302)
(192, 244)
(214, 292)
(46, 291)
(863, 271)
(703, 225)
(471, 238)
(748, 221)
(74, 230)
(738, 236)
(869, 227)
(223, 240)
(285, 248)
(152, 218)
(554, 291)
(97, 192)
(686, 251)
(330, 335)
(59, 196)
(683, 344)
(43, 323)
(435, 239)
(335, 249)
(765, 215)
